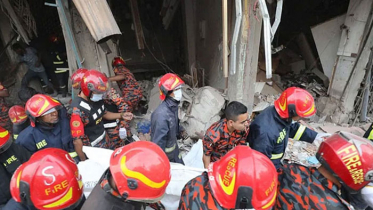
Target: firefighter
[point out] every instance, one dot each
(270, 130)
(241, 179)
(50, 126)
(117, 130)
(88, 110)
(165, 128)
(369, 133)
(138, 174)
(129, 86)
(17, 115)
(227, 133)
(11, 157)
(49, 180)
(4, 109)
(346, 167)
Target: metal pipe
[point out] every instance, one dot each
(225, 37)
(364, 109)
(267, 38)
(277, 19)
(237, 28)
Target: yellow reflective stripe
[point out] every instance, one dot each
(170, 149)
(370, 137)
(60, 71)
(62, 201)
(58, 62)
(73, 154)
(58, 57)
(15, 136)
(299, 132)
(276, 156)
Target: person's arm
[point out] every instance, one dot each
(159, 130)
(302, 133)
(116, 78)
(113, 116)
(77, 132)
(3, 92)
(259, 141)
(207, 149)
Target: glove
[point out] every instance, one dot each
(320, 137)
(122, 133)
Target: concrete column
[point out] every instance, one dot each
(189, 10)
(241, 84)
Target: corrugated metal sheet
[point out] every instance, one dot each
(98, 18)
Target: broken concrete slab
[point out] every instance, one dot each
(322, 76)
(261, 106)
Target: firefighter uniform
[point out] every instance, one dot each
(369, 133)
(41, 137)
(269, 134)
(18, 128)
(305, 188)
(130, 88)
(116, 104)
(217, 141)
(61, 69)
(197, 195)
(86, 122)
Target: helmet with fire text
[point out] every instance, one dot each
(168, 83)
(17, 114)
(349, 158)
(146, 181)
(40, 105)
(94, 82)
(243, 179)
(295, 102)
(117, 61)
(5, 140)
(49, 180)
(77, 77)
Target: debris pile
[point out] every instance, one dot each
(301, 153)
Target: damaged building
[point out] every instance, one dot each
(249, 50)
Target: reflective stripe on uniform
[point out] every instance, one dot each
(299, 132)
(110, 125)
(73, 154)
(15, 136)
(61, 70)
(93, 143)
(276, 156)
(370, 137)
(170, 149)
(58, 62)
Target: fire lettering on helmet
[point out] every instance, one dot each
(271, 187)
(351, 160)
(229, 178)
(56, 188)
(102, 88)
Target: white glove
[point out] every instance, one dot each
(320, 137)
(122, 133)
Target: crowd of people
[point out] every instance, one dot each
(243, 158)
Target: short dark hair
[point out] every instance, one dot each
(17, 46)
(234, 109)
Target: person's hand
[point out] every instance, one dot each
(200, 134)
(320, 137)
(127, 115)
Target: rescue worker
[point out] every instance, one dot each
(241, 179)
(17, 115)
(225, 134)
(165, 128)
(4, 109)
(49, 180)
(129, 86)
(138, 174)
(88, 110)
(369, 133)
(270, 130)
(32, 59)
(11, 157)
(346, 167)
(50, 126)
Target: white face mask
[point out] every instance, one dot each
(178, 94)
(97, 97)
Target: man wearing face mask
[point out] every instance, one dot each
(227, 133)
(50, 126)
(88, 110)
(165, 128)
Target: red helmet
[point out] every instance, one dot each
(5, 140)
(118, 61)
(168, 83)
(243, 176)
(94, 81)
(295, 102)
(17, 114)
(349, 158)
(76, 78)
(39, 105)
(49, 180)
(141, 171)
